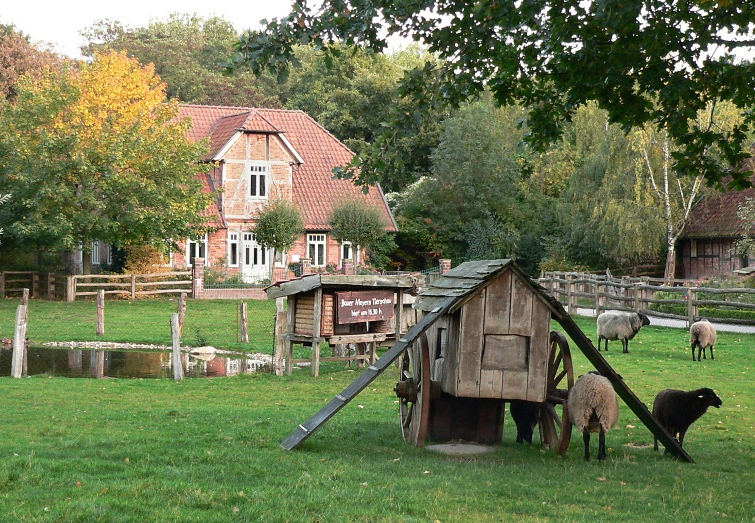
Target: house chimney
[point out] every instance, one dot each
(444, 265)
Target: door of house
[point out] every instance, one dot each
(254, 260)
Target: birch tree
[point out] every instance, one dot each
(675, 195)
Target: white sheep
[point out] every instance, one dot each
(703, 335)
(615, 325)
(593, 407)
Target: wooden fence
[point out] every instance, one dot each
(130, 285)
(679, 299)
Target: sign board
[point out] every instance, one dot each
(361, 306)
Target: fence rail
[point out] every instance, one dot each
(131, 285)
(680, 299)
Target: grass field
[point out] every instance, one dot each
(207, 322)
(207, 450)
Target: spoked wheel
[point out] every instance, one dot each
(414, 391)
(554, 423)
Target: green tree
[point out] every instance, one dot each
(187, 51)
(361, 225)
(279, 225)
(99, 154)
(475, 203)
(589, 169)
(3, 198)
(350, 95)
(658, 63)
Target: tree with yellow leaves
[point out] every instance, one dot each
(98, 153)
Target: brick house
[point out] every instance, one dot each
(708, 246)
(257, 155)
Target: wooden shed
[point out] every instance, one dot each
(364, 310)
(485, 340)
(493, 343)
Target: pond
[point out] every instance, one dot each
(128, 363)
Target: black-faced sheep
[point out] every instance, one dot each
(614, 325)
(703, 335)
(525, 414)
(593, 407)
(676, 410)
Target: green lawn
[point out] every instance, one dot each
(207, 450)
(208, 322)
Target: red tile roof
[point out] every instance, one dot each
(315, 190)
(716, 216)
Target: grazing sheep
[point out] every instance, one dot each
(525, 415)
(703, 334)
(676, 410)
(613, 325)
(593, 407)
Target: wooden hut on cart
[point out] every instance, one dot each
(485, 339)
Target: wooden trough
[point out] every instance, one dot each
(485, 340)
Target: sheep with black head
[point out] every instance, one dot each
(676, 410)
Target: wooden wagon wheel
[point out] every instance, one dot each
(554, 423)
(414, 391)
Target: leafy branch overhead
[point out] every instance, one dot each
(643, 62)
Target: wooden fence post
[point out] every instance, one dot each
(2, 284)
(316, 328)
(100, 312)
(691, 306)
(19, 343)
(569, 298)
(290, 323)
(244, 324)
(597, 299)
(637, 297)
(133, 286)
(181, 313)
(70, 288)
(281, 328)
(178, 370)
(35, 284)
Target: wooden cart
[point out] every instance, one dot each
(493, 346)
(485, 340)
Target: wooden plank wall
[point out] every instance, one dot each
(305, 314)
(502, 346)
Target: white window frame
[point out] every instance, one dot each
(233, 241)
(353, 252)
(95, 252)
(279, 258)
(318, 242)
(202, 248)
(258, 178)
(110, 255)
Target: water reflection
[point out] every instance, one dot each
(90, 363)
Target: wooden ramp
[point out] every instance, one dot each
(306, 429)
